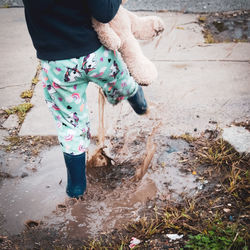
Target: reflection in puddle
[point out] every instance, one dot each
(32, 197)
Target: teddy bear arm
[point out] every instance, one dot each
(107, 35)
(145, 28)
(140, 67)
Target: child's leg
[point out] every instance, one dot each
(138, 102)
(111, 74)
(64, 90)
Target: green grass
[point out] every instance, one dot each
(21, 110)
(217, 239)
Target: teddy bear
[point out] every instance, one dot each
(121, 34)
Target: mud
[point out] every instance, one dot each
(101, 108)
(114, 196)
(228, 27)
(150, 151)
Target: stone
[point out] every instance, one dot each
(3, 133)
(24, 174)
(11, 122)
(238, 137)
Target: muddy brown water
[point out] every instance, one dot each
(113, 198)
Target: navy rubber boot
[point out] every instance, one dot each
(76, 173)
(138, 102)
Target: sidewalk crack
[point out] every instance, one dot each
(12, 86)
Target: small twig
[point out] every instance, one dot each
(217, 206)
(233, 240)
(191, 227)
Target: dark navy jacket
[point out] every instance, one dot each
(62, 29)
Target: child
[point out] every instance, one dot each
(71, 56)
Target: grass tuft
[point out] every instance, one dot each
(202, 19)
(27, 94)
(208, 37)
(35, 80)
(186, 137)
(218, 153)
(21, 110)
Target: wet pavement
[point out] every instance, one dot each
(189, 6)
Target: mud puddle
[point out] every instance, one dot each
(115, 197)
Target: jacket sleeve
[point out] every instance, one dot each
(104, 10)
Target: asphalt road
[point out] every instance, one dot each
(190, 6)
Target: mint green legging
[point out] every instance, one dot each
(65, 83)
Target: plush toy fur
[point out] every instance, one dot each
(121, 34)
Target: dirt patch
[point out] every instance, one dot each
(226, 27)
(29, 145)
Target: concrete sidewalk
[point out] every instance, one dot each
(18, 60)
(198, 83)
